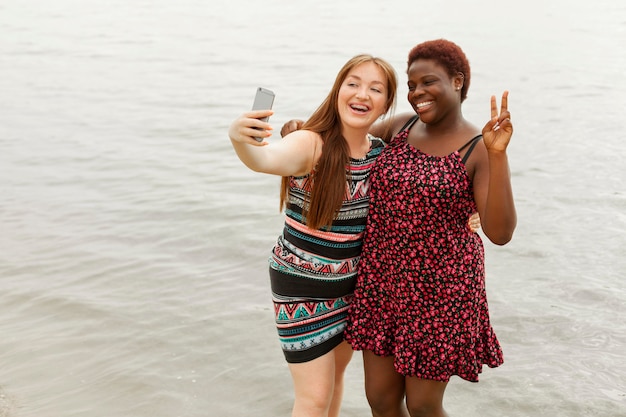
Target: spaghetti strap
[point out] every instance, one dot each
(471, 143)
(409, 123)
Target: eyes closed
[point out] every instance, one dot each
(425, 83)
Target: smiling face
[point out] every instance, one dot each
(433, 93)
(363, 96)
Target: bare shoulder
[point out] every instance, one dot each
(400, 120)
(304, 145)
(477, 160)
(387, 129)
(303, 138)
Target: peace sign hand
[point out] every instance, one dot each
(498, 131)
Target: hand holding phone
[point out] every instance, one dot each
(263, 100)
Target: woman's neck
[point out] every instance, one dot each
(358, 142)
(454, 122)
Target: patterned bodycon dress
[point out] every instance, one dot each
(420, 293)
(313, 272)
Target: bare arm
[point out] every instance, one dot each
(295, 155)
(384, 129)
(387, 129)
(492, 179)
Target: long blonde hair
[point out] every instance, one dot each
(328, 188)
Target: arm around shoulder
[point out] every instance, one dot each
(387, 129)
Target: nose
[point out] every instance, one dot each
(362, 94)
(416, 92)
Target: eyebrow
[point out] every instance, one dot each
(360, 79)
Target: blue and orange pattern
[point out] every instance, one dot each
(313, 272)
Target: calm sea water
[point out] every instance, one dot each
(133, 242)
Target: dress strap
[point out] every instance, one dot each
(409, 123)
(471, 143)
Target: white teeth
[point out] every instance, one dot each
(418, 105)
(360, 108)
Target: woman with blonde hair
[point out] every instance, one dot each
(325, 168)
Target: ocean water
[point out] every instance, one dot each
(134, 244)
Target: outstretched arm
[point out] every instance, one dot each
(293, 156)
(492, 180)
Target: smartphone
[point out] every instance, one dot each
(263, 100)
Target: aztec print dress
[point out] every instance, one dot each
(313, 272)
(420, 293)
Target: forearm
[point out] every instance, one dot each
(500, 218)
(290, 156)
(251, 156)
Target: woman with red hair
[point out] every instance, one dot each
(420, 312)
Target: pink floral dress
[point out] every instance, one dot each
(420, 292)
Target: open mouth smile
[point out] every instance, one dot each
(360, 108)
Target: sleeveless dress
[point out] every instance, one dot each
(420, 293)
(313, 272)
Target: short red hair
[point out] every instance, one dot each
(447, 54)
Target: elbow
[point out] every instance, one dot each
(502, 239)
(256, 168)
(502, 235)
(254, 165)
